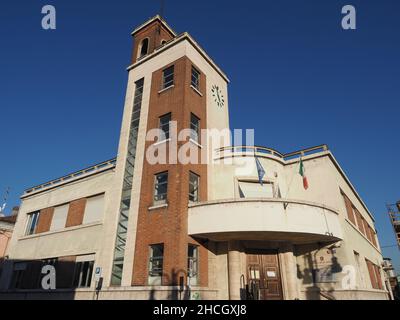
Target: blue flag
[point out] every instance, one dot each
(260, 170)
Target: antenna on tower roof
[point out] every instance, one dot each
(5, 200)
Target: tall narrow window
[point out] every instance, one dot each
(349, 208)
(372, 274)
(165, 125)
(195, 78)
(195, 128)
(359, 220)
(194, 182)
(144, 47)
(160, 188)
(156, 262)
(378, 277)
(33, 219)
(168, 77)
(373, 237)
(120, 241)
(193, 264)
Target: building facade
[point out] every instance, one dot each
(6, 230)
(134, 228)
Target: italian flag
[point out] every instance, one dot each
(302, 172)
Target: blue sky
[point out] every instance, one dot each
(296, 76)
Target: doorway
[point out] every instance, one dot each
(263, 274)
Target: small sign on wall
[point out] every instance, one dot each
(324, 275)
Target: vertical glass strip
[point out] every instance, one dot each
(119, 250)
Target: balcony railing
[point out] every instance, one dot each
(257, 150)
(90, 170)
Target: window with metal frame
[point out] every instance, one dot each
(165, 125)
(195, 128)
(160, 188)
(195, 82)
(168, 77)
(120, 242)
(194, 183)
(193, 264)
(33, 219)
(156, 260)
(83, 274)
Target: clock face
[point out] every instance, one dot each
(218, 96)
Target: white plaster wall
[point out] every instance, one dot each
(71, 241)
(263, 216)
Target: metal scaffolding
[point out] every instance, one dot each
(394, 215)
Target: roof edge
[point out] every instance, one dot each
(151, 20)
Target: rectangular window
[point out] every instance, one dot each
(194, 183)
(168, 77)
(367, 230)
(160, 188)
(195, 78)
(165, 125)
(372, 274)
(83, 271)
(94, 209)
(18, 275)
(378, 277)
(195, 128)
(349, 209)
(373, 237)
(33, 219)
(59, 218)
(253, 189)
(156, 264)
(359, 221)
(193, 264)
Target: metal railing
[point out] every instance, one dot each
(257, 150)
(92, 169)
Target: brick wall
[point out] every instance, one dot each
(170, 225)
(156, 32)
(75, 213)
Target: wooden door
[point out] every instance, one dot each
(263, 274)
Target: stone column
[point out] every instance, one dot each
(234, 268)
(289, 271)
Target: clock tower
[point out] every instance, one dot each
(173, 85)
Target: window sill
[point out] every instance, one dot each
(165, 89)
(48, 233)
(159, 206)
(195, 143)
(196, 90)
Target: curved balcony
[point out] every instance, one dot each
(264, 219)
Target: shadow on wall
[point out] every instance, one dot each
(22, 279)
(319, 272)
(177, 279)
